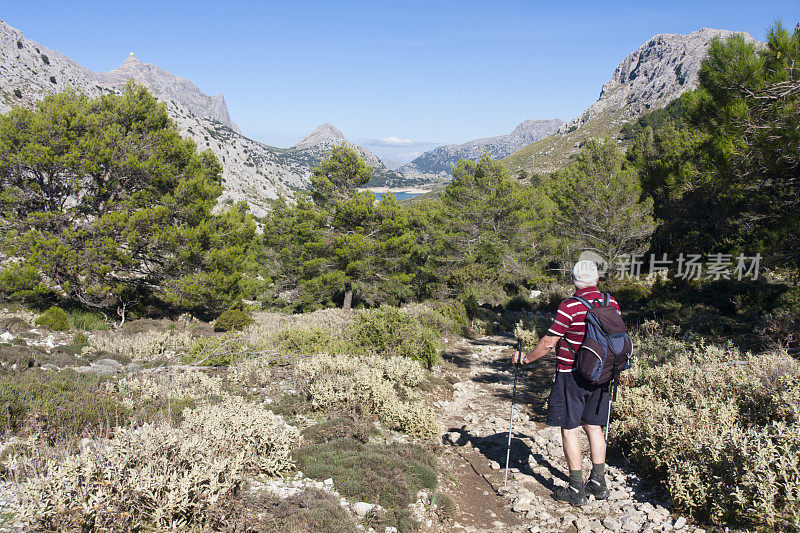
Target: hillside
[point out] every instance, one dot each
(439, 162)
(252, 171)
(651, 77)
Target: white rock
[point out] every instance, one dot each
(680, 523)
(362, 508)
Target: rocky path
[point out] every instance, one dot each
(476, 432)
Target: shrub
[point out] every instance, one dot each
(389, 475)
(389, 332)
(303, 341)
(147, 345)
(52, 79)
(87, 321)
(157, 476)
(45, 59)
(232, 320)
(448, 317)
(308, 511)
(17, 93)
(372, 384)
(627, 292)
(526, 331)
(720, 430)
(521, 302)
(57, 404)
(19, 45)
(20, 282)
(54, 318)
(781, 327)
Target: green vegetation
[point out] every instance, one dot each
(599, 203)
(147, 193)
(387, 474)
(58, 404)
(112, 214)
(54, 318)
(389, 332)
(308, 511)
(232, 320)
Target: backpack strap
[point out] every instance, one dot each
(584, 301)
(606, 298)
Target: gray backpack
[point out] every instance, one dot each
(606, 348)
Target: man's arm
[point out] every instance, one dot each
(542, 348)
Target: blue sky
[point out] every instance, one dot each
(415, 71)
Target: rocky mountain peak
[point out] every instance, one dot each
(167, 86)
(324, 134)
(653, 75)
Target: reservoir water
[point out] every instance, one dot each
(399, 195)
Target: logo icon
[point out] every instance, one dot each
(599, 260)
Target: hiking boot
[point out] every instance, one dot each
(596, 486)
(575, 495)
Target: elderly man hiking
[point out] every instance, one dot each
(580, 395)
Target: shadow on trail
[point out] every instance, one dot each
(533, 382)
(460, 355)
(493, 447)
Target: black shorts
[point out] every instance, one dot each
(573, 401)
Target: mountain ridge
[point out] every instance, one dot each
(252, 171)
(440, 161)
(649, 78)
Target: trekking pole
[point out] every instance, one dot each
(613, 396)
(511, 420)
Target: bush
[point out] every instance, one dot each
(160, 476)
(303, 341)
(781, 327)
(389, 332)
(232, 320)
(718, 429)
(449, 317)
(52, 79)
(375, 385)
(626, 292)
(54, 318)
(526, 331)
(17, 93)
(308, 511)
(389, 475)
(147, 345)
(58, 404)
(87, 321)
(45, 59)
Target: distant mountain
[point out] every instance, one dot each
(439, 162)
(651, 77)
(252, 171)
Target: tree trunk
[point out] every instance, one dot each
(348, 297)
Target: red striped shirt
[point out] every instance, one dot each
(571, 326)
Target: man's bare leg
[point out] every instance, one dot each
(570, 438)
(597, 444)
(574, 492)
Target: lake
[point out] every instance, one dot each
(399, 195)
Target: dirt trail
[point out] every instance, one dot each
(475, 422)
